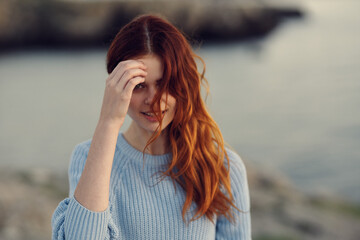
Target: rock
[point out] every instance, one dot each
(27, 202)
(79, 24)
(279, 210)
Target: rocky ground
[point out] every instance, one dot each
(56, 23)
(279, 211)
(28, 198)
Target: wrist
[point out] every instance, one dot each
(110, 124)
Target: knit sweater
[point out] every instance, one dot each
(142, 205)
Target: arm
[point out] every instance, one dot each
(241, 228)
(92, 191)
(93, 188)
(85, 215)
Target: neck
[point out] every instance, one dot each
(138, 138)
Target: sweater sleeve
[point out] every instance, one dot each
(240, 229)
(71, 220)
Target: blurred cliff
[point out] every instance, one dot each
(278, 210)
(50, 23)
(28, 198)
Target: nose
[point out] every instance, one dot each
(150, 95)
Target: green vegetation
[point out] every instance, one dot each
(53, 185)
(274, 237)
(351, 209)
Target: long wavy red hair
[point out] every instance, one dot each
(199, 158)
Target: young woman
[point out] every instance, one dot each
(168, 176)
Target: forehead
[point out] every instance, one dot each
(154, 67)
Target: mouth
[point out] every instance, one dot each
(151, 116)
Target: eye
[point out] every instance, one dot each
(139, 86)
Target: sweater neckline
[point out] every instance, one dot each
(138, 156)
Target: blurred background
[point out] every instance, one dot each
(284, 89)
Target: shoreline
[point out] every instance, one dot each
(279, 211)
(73, 24)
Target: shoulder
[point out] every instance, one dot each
(83, 146)
(237, 166)
(79, 156)
(238, 178)
(240, 228)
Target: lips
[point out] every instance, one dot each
(151, 116)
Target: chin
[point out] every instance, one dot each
(155, 128)
(152, 127)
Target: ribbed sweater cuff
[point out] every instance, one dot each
(81, 223)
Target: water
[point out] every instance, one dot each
(292, 101)
(288, 102)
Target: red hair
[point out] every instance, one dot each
(198, 162)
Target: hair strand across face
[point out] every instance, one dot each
(199, 162)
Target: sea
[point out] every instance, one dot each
(287, 103)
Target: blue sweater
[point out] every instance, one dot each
(141, 206)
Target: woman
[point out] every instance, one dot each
(167, 176)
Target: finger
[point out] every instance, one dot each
(129, 71)
(130, 85)
(131, 63)
(122, 68)
(129, 74)
(128, 64)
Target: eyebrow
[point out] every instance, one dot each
(157, 81)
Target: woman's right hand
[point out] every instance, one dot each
(92, 190)
(118, 91)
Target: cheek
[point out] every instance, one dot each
(172, 103)
(131, 106)
(135, 101)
